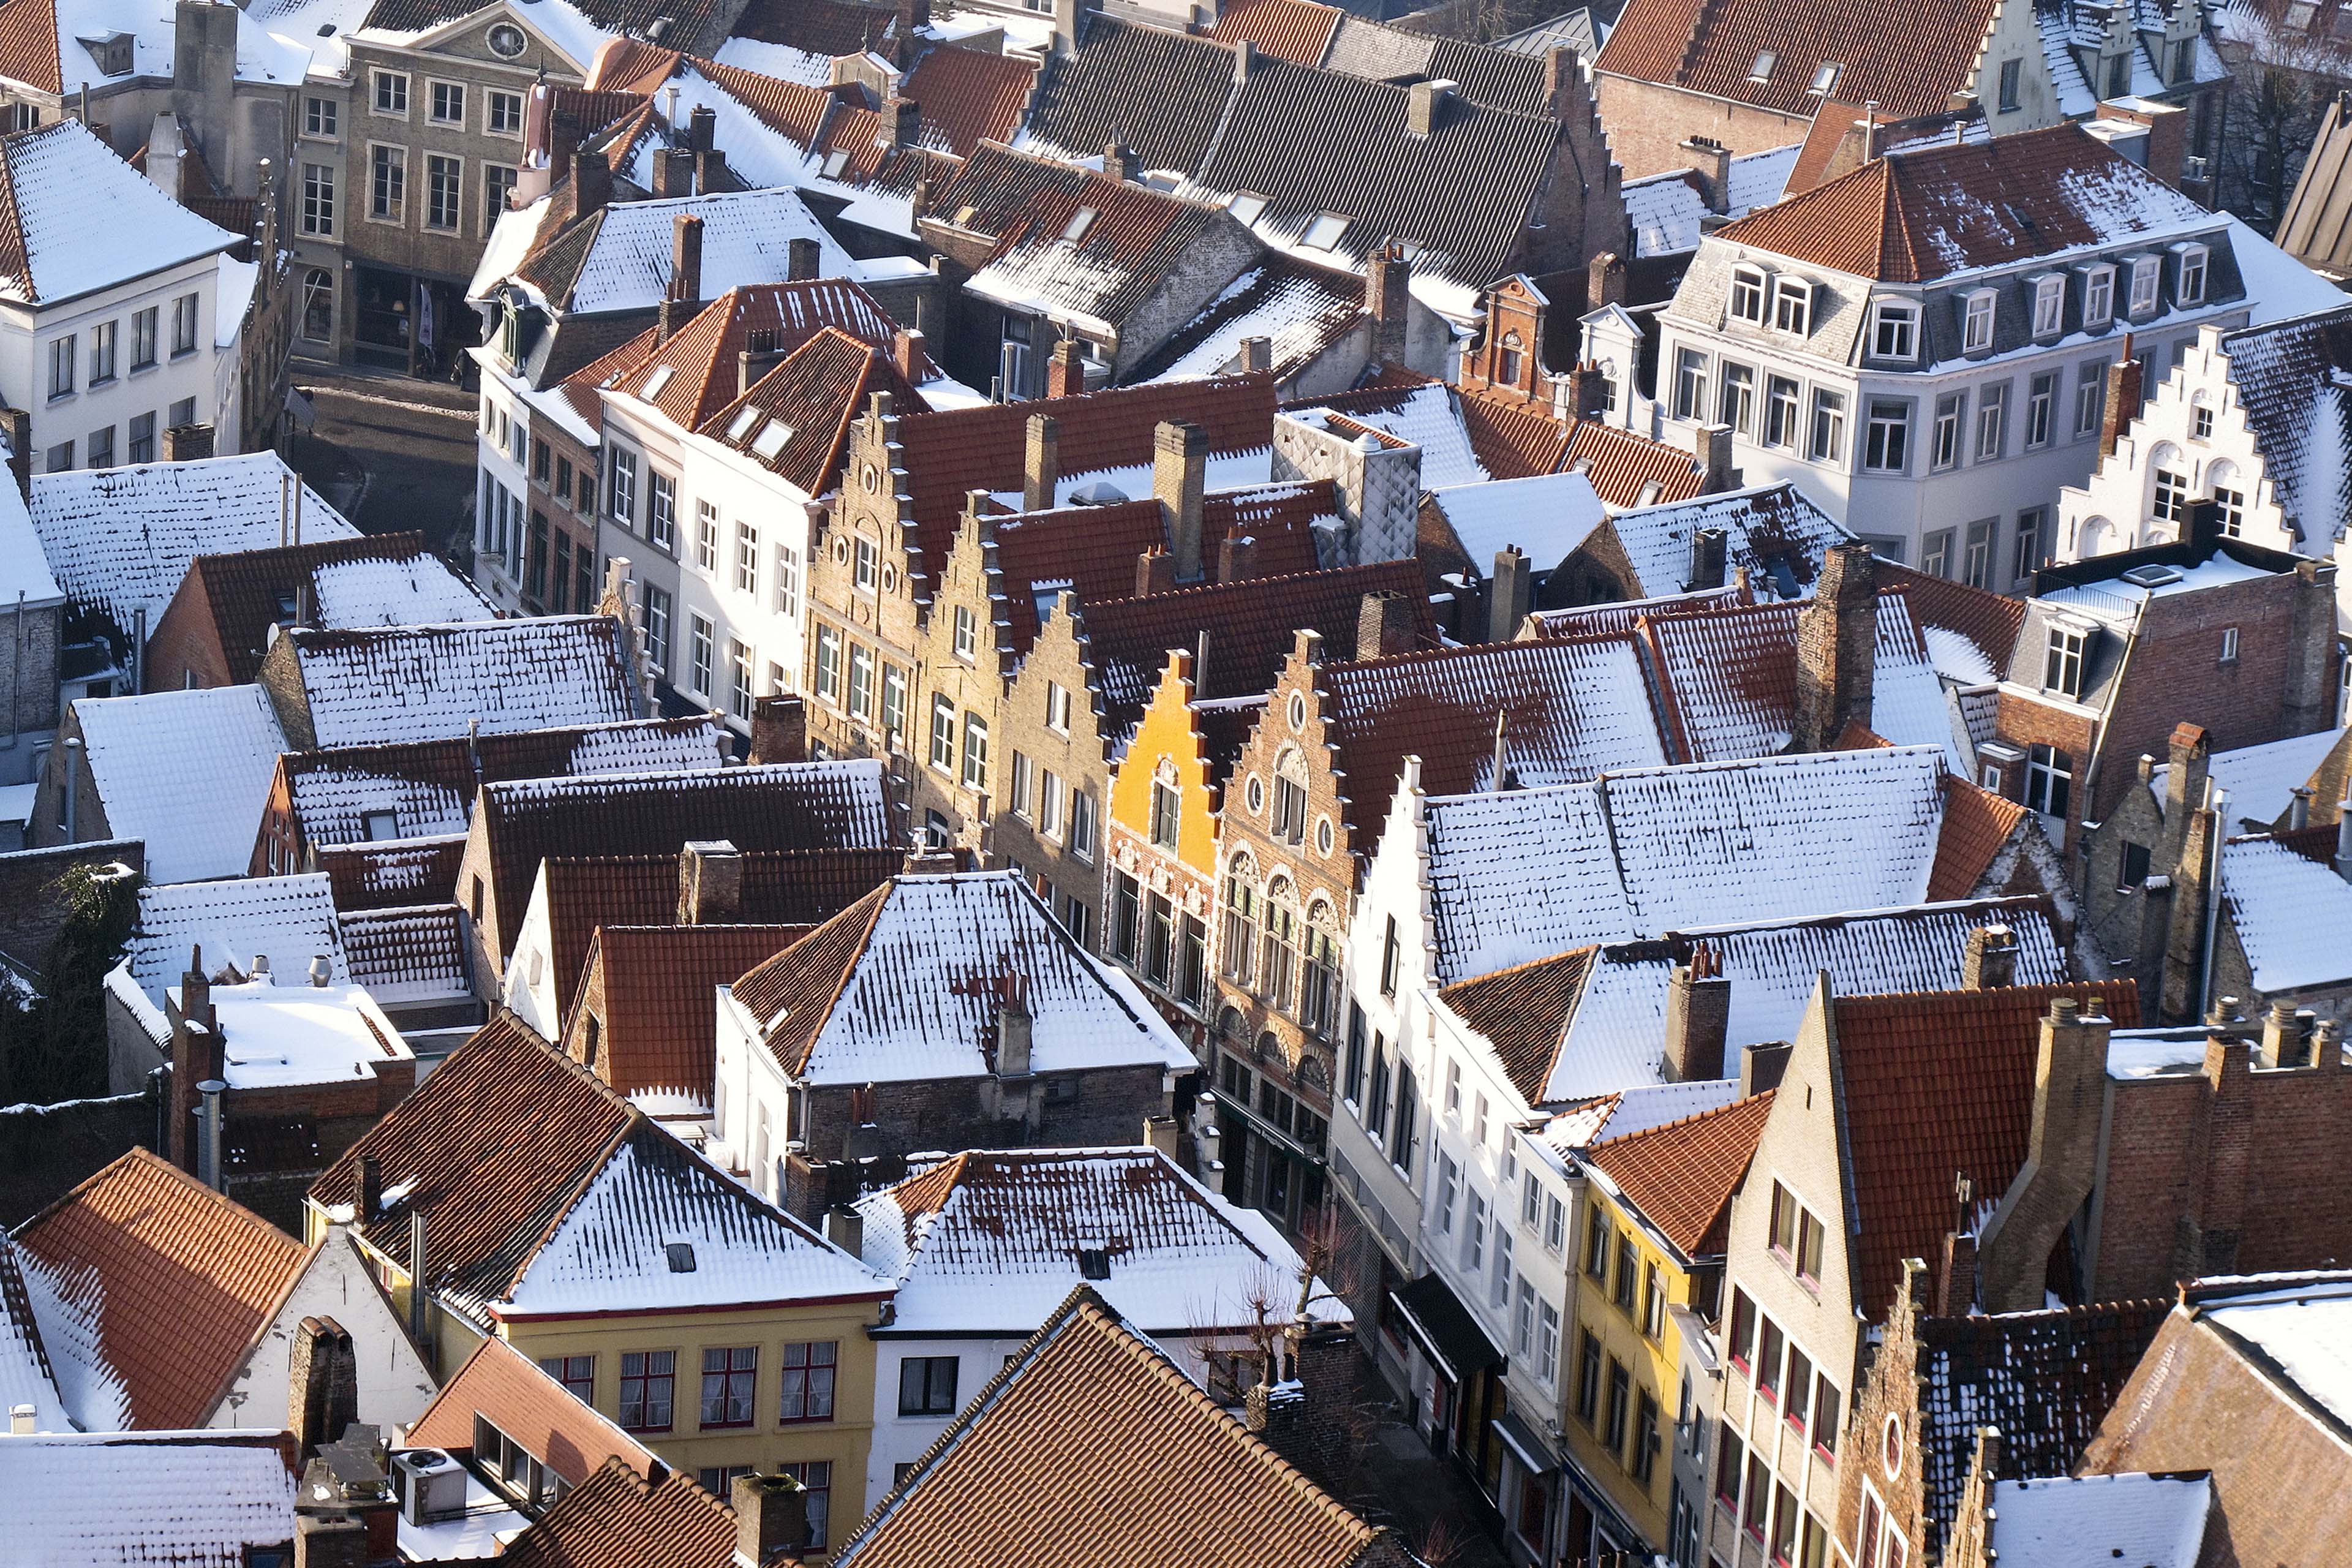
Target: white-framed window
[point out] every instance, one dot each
(1793, 306)
(321, 117)
(2049, 781)
(1829, 426)
(1886, 448)
(2090, 395)
(2200, 419)
(1825, 77)
(828, 664)
(2189, 281)
(1781, 416)
(2171, 503)
(747, 559)
(2031, 550)
(661, 510)
(1761, 72)
(784, 590)
(2232, 503)
(387, 184)
(2061, 661)
(2229, 634)
(1951, 415)
(975, 752)
(861, 679)
(2098, 294)
(1975, 565)
(1690, 384)
(1992, 421)
(1082, 825)
(894, 703)
(144, 325)
(105, 338)
(2049, 305)
(967, 633)
(445, 191)
(1057, 708)
(64, 357)
(1049, 803)
(2041, 409)
(705, 535)
(1737, 405)
(1936, 554)
(621, 493)
(943, 733)
(1976, 320)
(865, 566)
(2145, 272)
(1324, 233)
(446, 102)
(1747, 290)
(740, 665)
(699, 640)
(499, 180)
(1894, 329)
(391, 96)
(502, 112)
(318, 199)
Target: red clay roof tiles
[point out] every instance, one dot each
(1680, 1175)
(501, 1384)
(1909, 63)
(1523, 1013)
(1299, 31)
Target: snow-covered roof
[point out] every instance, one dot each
(2291, 915)
(1251, 467)
(24, 1374)
(185, 772)
(1666, 210)
(1548, 516)
(2277, 286)
(298, 1035)
(2064, 1521)
(288, 920)
(1774, 530)
(2260, 777)
(134, 1500)
(2304, 1330)
(1520, 875)
(430, 682)
(417, 590)
(2294, 385)
(746, 239)
(77, 218)
(513, 237)
(1299, 310)
(990, 1242)
(908, 985)
(404, 956)
(1429, 417)
(24, 565)
(2117, 601)
(122, 539)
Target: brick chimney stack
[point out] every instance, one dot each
(780, 729)
(1510, 593)
(1180, 473)
(2123, 399)
(1155, 572)
(1237, 558)
(322, 1394)
(771, 1516)
(1837, 649)
(592, 183)
(1066, 369)
(910, 353)
(1698, 1017)
(1384, 624)
(1041, 467)
(1388, 292)
(709, 882)
(1013, 1026)
(1989, 960)
(198, 1057)
(803, 257)
(2062, 1157)
(1709, 552)
(1604, 281)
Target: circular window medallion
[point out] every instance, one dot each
(506, 40)
(1298, 710)
(1890, 1448)
(1257, 793)
(889, 579)
(871, 478)
(840, 552)
(1323, 837)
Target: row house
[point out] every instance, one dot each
(1929, 377)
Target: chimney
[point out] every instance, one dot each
(2123, 399)
(420, 1277)
(1837, 649)
(1237, 558)
(1257, 354)
(186, 442)
(1155, 572)
(1714, 453)
(1160, 1131)
(1510, 593)
(2298, 808)
(1388, 293)
(2188, 968)
(2282, 1035)
(1179, 468)
(1588, 390)
(2061, 1160)
(1012, 1029)
(711, 170)
(1604, 281)
(909, 354)
(1066, 26)
(1118, 164)
(197, 1059)
(1955, 1279)
(323, 1394)
(21, 1420)
(771, 1516)
(672, 173)
(1563, 88)
(16, 424)
(756, 358)
(802, 257)
(1709, 548)
(1710, 161)
(779, 729)
(702, 128)
(370, 1196)
(906, 124)
(1041, 467)
(2308, 703)
(1989, 960)
(846, 1228)
(1244, 61)
(685, 259)
(1301, 1405)
(1698, 1017)
(1066, 369)
(709, 882)
(592, 183)
(331, 1540)
(2188, 758)
(1426, 107)
(1384, 624)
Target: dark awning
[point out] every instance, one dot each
(1448, 1335)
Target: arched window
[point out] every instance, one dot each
(1507, 363)
(1290, 796)
(1319, 983)
(1311, 1078)
(1278, 954)
(1241, 919)
(2096, 536)
(318, 304)
(2168, 506)
(2228, 493)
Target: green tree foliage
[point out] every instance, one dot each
(53, 1040)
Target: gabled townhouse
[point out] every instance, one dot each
(984, 1245)
(1936, 377)
(162, 1305)
(584, 1232)
(1003, 1032)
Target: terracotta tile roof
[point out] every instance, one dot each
(1990, 621)
(702, 355)
(969, 95)
(402, 955)
(1917, 216)
(171, 1283)
(1935, 1085)
(1622, 466)
(657, 1027)
(1516, 440)
(617, 1519)
(688, 19)
(251, 591)
(624, 71)
(1711, 47)
(812, 394)
(792, 108)
(1680, 1175)
(2045, 1380)
(1010, 1481)
(1523, 1013)
(1977, 826)
(502, 1383)
(1293, 30)
(28, 45)
(1161, 94)
(390, 876)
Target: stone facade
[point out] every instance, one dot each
(1376, 477)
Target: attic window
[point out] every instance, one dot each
(836, 162)
(1651, 490)
(771, 438)
(1247, 208)
(681, 1255)
(1325, 231)
(285, 609)
(655, 381)
(382, 825)
(740, 425)
(1094, 1262)
(1762, 70)
(1080, 221)
(1825, 79)
(111, 53)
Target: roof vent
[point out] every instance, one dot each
(1097, 492)
(2152, 576)
(681, 1255)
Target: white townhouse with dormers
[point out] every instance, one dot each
(1923, 345)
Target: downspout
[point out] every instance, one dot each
(15, 672)
(2218, 800)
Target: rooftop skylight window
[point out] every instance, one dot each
(1825, 79)
(770, 441)
(1080, 221)
(659, 379)
(1247, 208)
(1762, 70)
(740, 425)
(1325, 231)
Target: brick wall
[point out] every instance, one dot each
(1890, 1388)
(184, 648)
(46, 827)
(1077, 757)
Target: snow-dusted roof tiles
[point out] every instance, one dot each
(298, 1035)
(425, 683)
(184, 771)
(418, 591)
(2147, 1521)
(288, 920)
(2260, 777)
(131, 1500)
(1547, 516)
(24, 1374)
(2291, 915)
(746, 239)
(77, 218)
(1776, 532)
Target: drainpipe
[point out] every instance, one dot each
(16, 674)
(139, 652)
(212, 1089)
(73, 780)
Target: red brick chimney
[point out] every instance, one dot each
(1837, 649)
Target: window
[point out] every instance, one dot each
(705, 535)
(1935, 552)
(1057, 708)
(1728, 1467)
(1628, 1264)
(1993, 420)
(1780, 411)
(1825, 1417)
(499, 181)
(1547, 1342)
(143, 439)
(2090, 395)
(1690, 384)
(2232, 503)
(2040, 404)
(1289, 809)
(661, 510)
(865, 574)
(1738, 408)
(2012, 73)
(2229, 634)
(828, 664)
(101, 448)
(738, 660)
(656, 608)
(1951, 413)
(1739, 1345)
(443, 183)
(2200, 420)
(103, 339)
(698, 643)
(1508, 359)
(2030, 550)
(1887, 446)
(503, 115)
(1620, 1391)
(1164, 813)
(1389, 955)
(2171, 498)
(1894, 329)
(648, 1384)
(1976, 567)
(1825, 76)
(808, 1372)
(1976, 321)
(729, 1377)
(1127, 919)
(1596, 1245)
(1829, 426)
(577, 1373)
(2049, 307)
(943, 733)
(2098, 295)
(927, 1385)
(967, 633)
(143, 324)
(1770, 1344)
(1643, 1460)
(747, 559)
(388, 183)
(1474, 1236)
(63, 354)
(320, 116)
(2188, 282)
(2144, 271)
(1324, 232)
(1555, 1229)
(1050, 794)
(391, 93)
(1022, 797)
(1762, 70)
(622, 491)
(1522, 1320)
(1653, 1302)
(2049, 779)
(1588, 1376)
(1792, 305)
(1748, 295)
(785, 587)
(1082, 825)
(975, 752)
(448, 99)
(894, 703)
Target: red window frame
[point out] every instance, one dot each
(738, 1375)
(645, 1384)
(577, 1373)
(807, 1379)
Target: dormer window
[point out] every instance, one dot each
(1507, 362)
(1976, 321)
(2189, 285)
(1793, 306)
(1894, 329)
(1748, 286)
(2049, 305)
(2098, 294)
(2062, 663)
(1325, 231)
(2144, 270)
(1762, 70)
(834, 162)
(110, 53)
(1825, 79)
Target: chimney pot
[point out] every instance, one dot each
(909, 354)
(322, 971)
(780, 729)
(1160, 1131)
(846, 1228)
(672, 173)
(1155, 572)
(20, 1420)
(702, 128)
(1604, 281)
(1258, 353)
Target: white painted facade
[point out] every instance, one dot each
(110, 401)
(394, 1384)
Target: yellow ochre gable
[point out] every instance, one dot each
(1168, 733)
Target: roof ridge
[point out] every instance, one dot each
(874, 900)
(143, 1157)
(1563, 954)
(1761, 1099)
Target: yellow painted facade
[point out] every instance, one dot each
(1168, 744)
(1621, 1312)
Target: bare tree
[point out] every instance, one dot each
(2281, 79)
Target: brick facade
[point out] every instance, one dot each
(1068, 875)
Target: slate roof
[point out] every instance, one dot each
(288, 919)
(1933, 1086)
(1009, 1480)
(1681, 1176)
(502, 1383)
(244, 594)
(428, 683)
(2293, 381)
(132, 1499)
(658, 1021)
(617, 1519)
(1625, 614)
(1161, 94)
(1772, 530)
(1918, 217)
(2044, 1380)
(404, 956)
(906, 984)
(150, 1289)
(1548, 516)
(1710, 46)
(1669, 211)
(618, 258)
(75, 218)
(186, 772)
(812, 394)
(121, 539)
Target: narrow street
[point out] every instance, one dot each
(392, 453)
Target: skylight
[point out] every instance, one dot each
(1246, 207)
(836, 162)
(770, 441)
(1080, 221)
(655, 381)
(1825, 79)
(1762, 70)
(741, 424)
(1325, 231)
